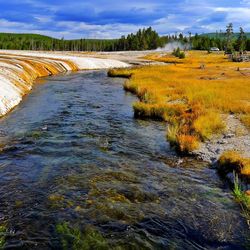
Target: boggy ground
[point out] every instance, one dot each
(205, 100)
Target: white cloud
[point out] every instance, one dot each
(164, 16)
(238, 16)
(247, 2)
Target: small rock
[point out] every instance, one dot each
(45, 128)
(222, 142)
(229, 136)
(217, 151)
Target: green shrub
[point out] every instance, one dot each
(182, 55)
(177, 52)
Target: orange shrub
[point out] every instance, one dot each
(187, 143)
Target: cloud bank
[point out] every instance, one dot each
(111, 19)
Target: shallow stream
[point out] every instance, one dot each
(78, 171)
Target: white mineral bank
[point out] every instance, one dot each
(11, 85)
(82, 61)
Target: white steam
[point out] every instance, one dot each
(169, 47)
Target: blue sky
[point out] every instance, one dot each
(113, 18)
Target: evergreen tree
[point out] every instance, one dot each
(229, 33)
(241, 41)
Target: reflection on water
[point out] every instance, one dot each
(78, 171)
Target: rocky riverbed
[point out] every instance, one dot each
(236, 137)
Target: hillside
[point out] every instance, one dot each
(144, 39)
(42, 37)
(22, 36)
(222, 35)
(41, 42)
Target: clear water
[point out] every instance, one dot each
(72, 154)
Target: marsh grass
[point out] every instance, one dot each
(187, 143)
(125, 73)
(208, 124)
(189, 97)
(241, 197)
(172, 133)
(231, 161)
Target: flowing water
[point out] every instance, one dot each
(78, 171)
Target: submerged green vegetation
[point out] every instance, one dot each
(3, 230)
(75, 239)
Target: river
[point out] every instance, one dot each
(78, 171)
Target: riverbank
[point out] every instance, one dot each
(204, 98)
(222, 88)
(19, 69)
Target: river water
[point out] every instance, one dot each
(77, 171)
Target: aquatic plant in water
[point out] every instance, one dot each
(3, 230)
(72, 237)
(241, 197)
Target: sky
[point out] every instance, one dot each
(110, 19)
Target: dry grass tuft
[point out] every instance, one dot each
(124, 73)
(187, 143)
(231, 161)
(246, 120)
(208, 124)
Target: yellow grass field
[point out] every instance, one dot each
(190, 94)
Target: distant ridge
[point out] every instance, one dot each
(43, 37)
(222, 35)
(26, 41)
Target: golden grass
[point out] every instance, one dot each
(231, 161)
(187, 143)
(190, 94)
(208, 124)
(246, 120)
(124, 73)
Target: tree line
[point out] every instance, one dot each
(39, 42)
(227, 41)
(143, 39)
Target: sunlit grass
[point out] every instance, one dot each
(231, 161)
(208, 124)
(246, 120)
(190, 94)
